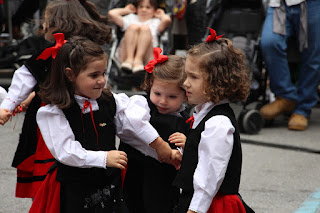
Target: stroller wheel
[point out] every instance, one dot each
(250, 121)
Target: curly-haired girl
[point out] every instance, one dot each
(210, 171)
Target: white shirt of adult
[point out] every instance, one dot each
(214, 152)
(60, 140)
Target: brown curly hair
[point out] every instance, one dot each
(77, 17)
(226, 74)
(171, 70)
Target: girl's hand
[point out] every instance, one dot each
(130, 8)
(163, 149)
(190, 211)
(5, 115)
(178, 139)
(117, 159)
(159, 13)
(176, 159)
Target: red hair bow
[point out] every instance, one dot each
(52, 51)
(158, 58)
(213, 36)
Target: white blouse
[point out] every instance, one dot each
(139, 100)
(60, 140)
(214, 152)
(23, 83)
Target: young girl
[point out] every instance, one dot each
(141, 31)
(148, 183)
(78, 125)
(32, 158)
(211, 165)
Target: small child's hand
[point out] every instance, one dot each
(117, 159)
(176, 158)
(159, 13)
(130, 8)
(5, 115)
(178, 139)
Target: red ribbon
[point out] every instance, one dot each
(213, 36)
(18, 109)
(85, 106)
(191, 120)
(158, 58)
(52, 51)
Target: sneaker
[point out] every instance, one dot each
(279, 106)
(297, 122)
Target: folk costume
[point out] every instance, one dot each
(32, 158)
(211, 165)
(148, 183)
(79, 138)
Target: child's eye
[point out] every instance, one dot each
(157, 93)
(172, 96)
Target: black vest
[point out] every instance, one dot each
(165, 124)
(84, 132)
(231, 182)
(27, 146)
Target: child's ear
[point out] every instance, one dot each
(69, 73)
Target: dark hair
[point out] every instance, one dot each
(226, 73)
(75, 54)
(77, 17)
(171, 70)
(153, 3)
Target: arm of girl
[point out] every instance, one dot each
(132, 122)
(214, 152)
(117, 14)
(60, 140)
(21, 86)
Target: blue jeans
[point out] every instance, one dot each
(274, 46)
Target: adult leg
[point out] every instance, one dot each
(273, 48)
(309, 75)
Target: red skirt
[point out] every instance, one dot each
(33, 170)
(226, 204)
(48, 196)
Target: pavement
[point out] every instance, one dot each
(280, 174)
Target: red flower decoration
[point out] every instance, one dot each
(52, 51)
(213, 36)
(158, 58)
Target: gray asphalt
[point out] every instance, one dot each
(280, 171)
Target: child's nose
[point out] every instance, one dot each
(163, 100)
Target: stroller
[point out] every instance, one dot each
(119, 80)
(241, 22)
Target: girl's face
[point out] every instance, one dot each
(194, 83)
(145, 10)
(91, 81)
(167, 96)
